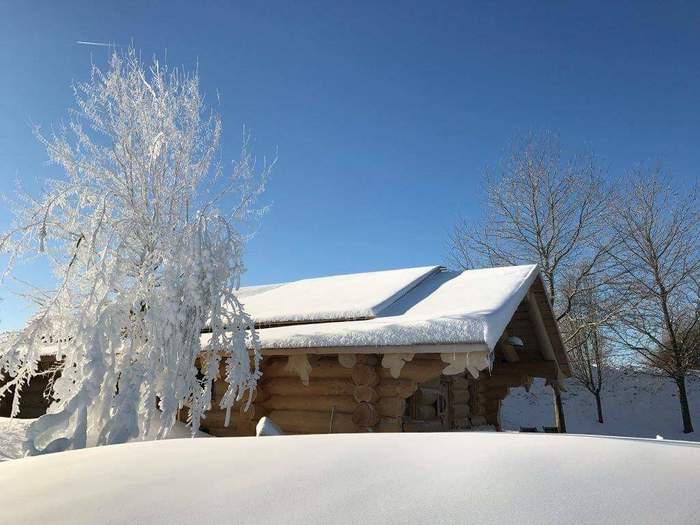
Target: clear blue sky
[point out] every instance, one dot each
(384, 114)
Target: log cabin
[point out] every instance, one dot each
(411, 350)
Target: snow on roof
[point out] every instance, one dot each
(244, 292)
(338, 297)
(411, 478)
(470, 308)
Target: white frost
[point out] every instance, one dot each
(485, 478)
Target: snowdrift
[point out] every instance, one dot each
(370, 478)
(634, 404)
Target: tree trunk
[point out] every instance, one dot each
(559, 420)
(685, 408)
(599, 406)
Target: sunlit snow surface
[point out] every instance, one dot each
(484, 478)
(337, 297)
(634, 404)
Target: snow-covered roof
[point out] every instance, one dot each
(410, 478)
(334, 298)
(420, 306)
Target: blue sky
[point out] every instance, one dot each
(384, 114)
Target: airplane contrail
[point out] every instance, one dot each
(98, 44)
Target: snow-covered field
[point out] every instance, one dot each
(360, 478)
(634, 404)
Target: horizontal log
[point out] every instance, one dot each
(243, 428)
(292, 421)
(390, 424)
(396, 388)
(220, 386)
(254, 412)
(316, 387)
(345, 404)
(462, 396)
(420, 370)
(432, 425)
(391, 406)
(365, 375)
(324, 367)
(217, 417)
(546, 369)
(365, 394)
(365, 415)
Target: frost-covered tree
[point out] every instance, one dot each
(145, 232)
(544, 208)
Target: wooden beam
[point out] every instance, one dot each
(546, 369)
(289, 386)
(420, 370)
(307, 422)
(342, 404)
(559, 420)
(509, 351)
(541, 333)
(323, 368)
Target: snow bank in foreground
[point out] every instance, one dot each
(634, 404)
(370, 478)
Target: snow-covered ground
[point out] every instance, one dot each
(484, 478)
(13, 432)
(634, 404)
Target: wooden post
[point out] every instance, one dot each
(559, 419)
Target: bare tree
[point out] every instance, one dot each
(589, 349)
(659, 232)
(544, 209)
(553, 211)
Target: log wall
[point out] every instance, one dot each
(359, 397)
(33, 403)
(363, 396)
